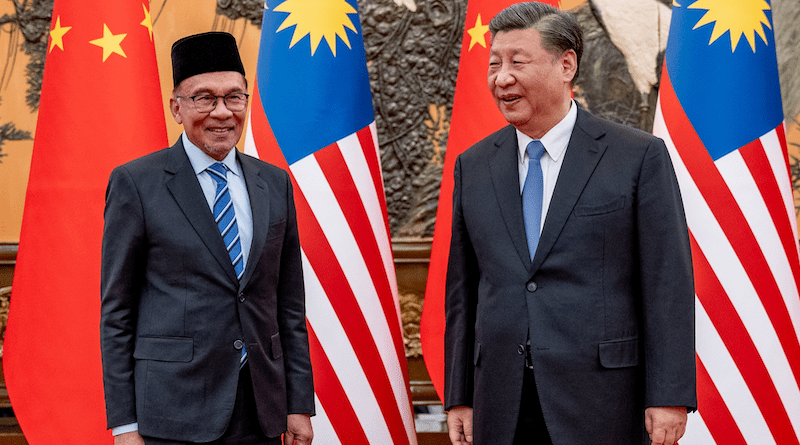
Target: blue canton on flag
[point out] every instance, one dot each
(313, 100)
(721, 89)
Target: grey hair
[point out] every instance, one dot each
(559, 30)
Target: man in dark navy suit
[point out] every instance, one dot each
(203, 326)
(570, 298)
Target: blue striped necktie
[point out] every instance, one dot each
(532, 194)
(225, 217)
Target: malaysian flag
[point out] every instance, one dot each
(720, 114)
(312, 115)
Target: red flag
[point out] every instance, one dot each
(474, 117)
(721, 116)
(328, 144)
(100, 106)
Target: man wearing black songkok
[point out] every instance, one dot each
(203, 331)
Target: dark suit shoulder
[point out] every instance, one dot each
(270, 173)
(597, 127)
(262, 165)
(147, 162)
(490, 144)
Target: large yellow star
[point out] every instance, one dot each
(478, 33)
(147, 23)
(57, 35)
(110, 43)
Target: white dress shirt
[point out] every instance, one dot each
(555, 143)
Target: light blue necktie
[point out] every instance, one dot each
(532, 194)
(225, 217)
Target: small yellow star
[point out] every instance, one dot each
(57, 35)
(147, 23)
(110, 43)
(478, 33)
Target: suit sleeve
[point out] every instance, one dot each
(122, 274)
(292, 318)
(667, 284)
(461, 299)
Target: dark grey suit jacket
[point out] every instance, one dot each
(608, 298)
(172, 308)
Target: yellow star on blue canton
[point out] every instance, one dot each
(318, 19)
(746, 19)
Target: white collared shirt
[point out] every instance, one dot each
(555, 143)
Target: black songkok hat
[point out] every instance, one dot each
(204, 53)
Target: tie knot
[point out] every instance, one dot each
(218, 172)
(535, 149)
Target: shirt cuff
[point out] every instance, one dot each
(125, 429)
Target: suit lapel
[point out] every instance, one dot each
(505, 177)
(259, 205)
(583, 153)
(187, 193)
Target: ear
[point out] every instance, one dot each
(569, 65)
(174, 108)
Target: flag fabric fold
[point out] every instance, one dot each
(474, 117)
(312, 115)
(100, 106)
(720, 113)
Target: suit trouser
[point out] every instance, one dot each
(531, 429)
(243, 428)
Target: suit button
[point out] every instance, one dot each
(241, 298)
(531, 286)
(238, 344)
(520, 349)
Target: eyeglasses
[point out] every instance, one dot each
(205, 103)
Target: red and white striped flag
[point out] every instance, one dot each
(720, 114)
(312, 115)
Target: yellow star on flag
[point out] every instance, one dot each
(57, 35)
(147, 23)
(110, 43)
(478, 33)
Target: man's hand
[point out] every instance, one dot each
(298, 430)
(130, 438)
(459, 423)
(665, 424)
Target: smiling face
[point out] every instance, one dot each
(218, 131)
(530, 85)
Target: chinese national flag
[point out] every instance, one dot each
(100, 106)
(474, 117)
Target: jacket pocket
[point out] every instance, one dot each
(619, 353)
(165, 349)
(277, 350)
(600, 208)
